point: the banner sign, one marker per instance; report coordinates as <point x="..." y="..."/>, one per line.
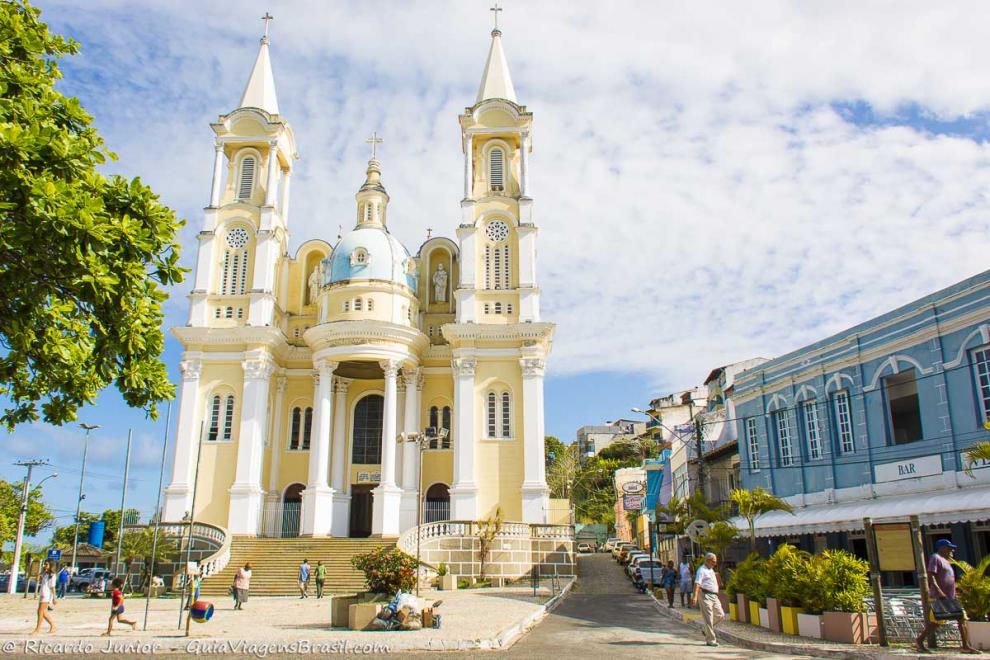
<point x="894" y="549"/>
<point x="632" y="502"/>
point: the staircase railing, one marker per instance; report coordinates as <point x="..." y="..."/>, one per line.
<point x="214" y="563"/>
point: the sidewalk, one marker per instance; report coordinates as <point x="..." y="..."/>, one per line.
<point x="472" y="619"/>
<point x="762" y="639"/>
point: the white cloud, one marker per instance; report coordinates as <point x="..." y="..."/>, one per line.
<point x="699" y="199"/>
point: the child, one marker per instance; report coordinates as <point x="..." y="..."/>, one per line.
<point x="117" y="608"/>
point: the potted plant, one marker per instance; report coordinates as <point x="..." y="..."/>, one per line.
<point x="810" y="620"/>
<point x="974" y="594"/>
<point x="787" y="572"/>
<point x="447" y="582"/>
<point x="745" y="583"/>
<point x="844" y="585"/>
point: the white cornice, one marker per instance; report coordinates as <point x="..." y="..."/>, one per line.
<point x="228" y="337"/>
<point x="363" y="332"/>
<point x="537" y="333"/>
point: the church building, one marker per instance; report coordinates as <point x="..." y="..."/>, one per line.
<point x="305" y="372"/>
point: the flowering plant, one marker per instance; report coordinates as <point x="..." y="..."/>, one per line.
<point x="387" y="570"/>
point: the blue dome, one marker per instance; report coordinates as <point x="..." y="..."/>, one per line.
<point x="369" y="253"/>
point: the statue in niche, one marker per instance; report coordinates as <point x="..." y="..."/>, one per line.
<point x="314" y="284"/>
<point x="440" y="284"/>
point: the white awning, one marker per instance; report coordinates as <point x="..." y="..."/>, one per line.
<point x="932" y="508"/>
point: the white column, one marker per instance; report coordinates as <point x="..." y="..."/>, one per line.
<point x="179" y="491"/>
<point x="317" y="499"/>
<point x="246" y="493"/>
<point x="277" y="438"/>
<point x="410" y="450"/>
<point x="198" y="309"/>
<point x="387" y="496"/>
<point x="534" y="488"/>
<point x="524" y="165"/>
<point x="284" y="205"/>
<point x="271" y="187"/>
<point x="464" y="492"/>
<point x="341" y="496"/>
<point x="217" y="175"/>
<point x="262" y="306"/>
<point x="468" y="166"/>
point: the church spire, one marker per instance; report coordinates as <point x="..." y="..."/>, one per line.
<point x="260" y="89"/>
<point x="496" y="83"/>
<point x="371" y="196"/>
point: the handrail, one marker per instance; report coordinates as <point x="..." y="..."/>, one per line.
<point x="219" y="559"/>
<point x="467" y="528"/>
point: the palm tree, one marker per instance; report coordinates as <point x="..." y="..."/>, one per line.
<point x="978" y="452"/>
<point x="754" y="503"/>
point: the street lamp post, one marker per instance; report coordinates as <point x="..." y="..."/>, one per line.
<point x="82" y="478"/>
<point x="422" y="441"/>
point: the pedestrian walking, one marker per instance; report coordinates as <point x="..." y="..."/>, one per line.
<point x="942" y="598"/>
<point x="667" y="580"/>
<point x="242" y="584"/>
<point x="117" y="608"/>
<point x="321" y="578"/>
<point x="46" y="602"/>
<point x="706" y="596"/>
<point x="63" y="582"/>
<point x="304" y="579"/>
<point x="685" y="582"/>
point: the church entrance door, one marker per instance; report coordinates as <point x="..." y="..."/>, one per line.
<point x="291" y="510"/>
<point x="361" y="511"/>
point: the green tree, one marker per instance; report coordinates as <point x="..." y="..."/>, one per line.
<point x="717" y="538"/>
<point x="84" y="258"/>
<point x="63" y="536"/>
<point x="754" y="503"/>
<point x="553" y="449"/>
<point x="563" y="471"/>
<point x="632" y="450"/>
<point x="112" y="519"/>
<point x="138" y="543"/>
<point x="488" y="529"/>
<point x="39" y="516"/>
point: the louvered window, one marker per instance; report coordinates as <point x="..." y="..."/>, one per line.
<point x="488" y="267"/>
<point x="497" y="269"/>
<point x="506" y="423"/>
<point x="225" y="273"/>
<point x="434" y="417"/>
<point x="492" y="421"/>
<point x="505" y="267"/>
<point x="214" y="429"/>
<point x="357" y="304"/>
<point x="246" y="182"/>
<point x="307" y="427"/>
<point x="294" y="432"/>
<point x="496" y="170"/>
<point x="228" y="418"/>
<point x="498" y="308"/>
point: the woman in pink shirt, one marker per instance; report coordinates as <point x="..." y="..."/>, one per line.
<point x="242" y="583"/>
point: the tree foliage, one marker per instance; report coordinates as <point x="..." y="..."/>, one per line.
<point x="39" y="516"/>
<point x="138" y="544"/>
<point x="978" y="453"/>
<point x="488" y="529"/>
<point x="84" y="257"/>
<point x="562" y="471"/>
<point x="754" y="503"/>
<point x="717" y="538"/>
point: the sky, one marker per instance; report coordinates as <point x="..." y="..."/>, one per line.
<point x="712" y="181"/>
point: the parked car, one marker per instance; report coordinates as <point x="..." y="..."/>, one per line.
<point x="5" y="580"/>
<point x="86" y="578"/>
<point x="647" y="573"/>
<point x="610" y="543"/>
<point x="633" y="559"/>
<point x="619" y="547"/>
<point x="584" y="547"/>
<point x="627" y="553"/>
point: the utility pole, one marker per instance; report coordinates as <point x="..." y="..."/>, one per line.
<point x="699" y="432"/>
<point x="123" y="497"/>
<point x="82" y="479"/>
<point x="15" y="564"/>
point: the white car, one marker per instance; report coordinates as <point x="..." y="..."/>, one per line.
<point x="634" y="561"/>
<point x="610" y="543"/>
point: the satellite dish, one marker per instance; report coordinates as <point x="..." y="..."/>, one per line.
<point x="695" y="529"/>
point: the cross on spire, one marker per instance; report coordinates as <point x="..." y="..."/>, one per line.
<point x="495" y="9"/>
<point x="267" y="18"/>
<point x="374" y="141"/>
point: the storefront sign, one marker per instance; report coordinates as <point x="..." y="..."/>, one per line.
<point x="912" y="468"/>
<point x="632" y="487"/>
<point x="894" y="549"/>
<point x="975" y="465"/>
<point x="632" y="502"/>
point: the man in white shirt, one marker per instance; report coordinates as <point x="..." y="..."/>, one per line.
<point x="684" y="570"/>
<point x="706" y="596"/>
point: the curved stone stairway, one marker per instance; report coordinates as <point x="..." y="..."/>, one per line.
<point x="275" y="564"/>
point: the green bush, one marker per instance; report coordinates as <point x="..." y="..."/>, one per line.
<point x="442" y="569"/>
<point x="387" y="570"/>
<point x="750" y="578"/>
<point x="838" y="582"/>
<point x="974" y="589"/>
<point x="787" y="575"/>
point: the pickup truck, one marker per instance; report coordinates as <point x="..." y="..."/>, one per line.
<point x="87" y="577"/>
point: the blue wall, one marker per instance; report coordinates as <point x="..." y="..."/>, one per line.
<point x="935" y="336"/>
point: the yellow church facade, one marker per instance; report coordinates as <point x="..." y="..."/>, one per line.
<point x="305" y="373"/>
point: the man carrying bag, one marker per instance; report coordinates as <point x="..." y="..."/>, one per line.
<point x="942" y="597"/>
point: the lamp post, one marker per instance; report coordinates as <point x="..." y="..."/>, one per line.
<point x="422" y="441"/>
<point x="21" y="520"/>
<point x="82" y="478"/>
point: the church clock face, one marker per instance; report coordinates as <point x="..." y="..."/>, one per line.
<point x="497" y="231"/>
<point x="237" y="238"/>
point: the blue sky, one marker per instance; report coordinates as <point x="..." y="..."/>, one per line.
<point x="713" y="182"/>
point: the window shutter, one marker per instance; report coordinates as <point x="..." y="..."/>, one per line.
<point x="246" y="184"/>
<point x="214" y="419"/>
<point x="228" y="418"/>
<point x="492" y="426"/>
<point x="294" y="433"/>
<point x="496" y="169"/>
<point x="307" y="428"/>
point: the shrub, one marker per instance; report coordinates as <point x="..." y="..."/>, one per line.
<point x="387" y="570"/>
<point x="442" y="569"/>
<point x="841" y="582"/>
<point x="787" y="575"/>
<point x="974" y="589"/>
<point x="750" y="578"/>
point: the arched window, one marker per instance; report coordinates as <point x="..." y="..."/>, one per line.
<point x="245" y="184"/>
<point x="221" y="424"/>
<point x="446" y="422"/>
<point x="498" y="308"/>
<point x="347" y="305"/>
<point x="492" y="421"/>
<point x="228" y="313"/>
<point x="506" y="416"/>
<point x="496" y="170"/>
<point x="228" y="417"/>
<point x="294" y="429"/>
<point x="367" y="439"/>
<point x="497" y="268"/>
<point x="371" y="305"/>
<point x="508" y="308"/>
<point x="434" y="417"/>
<point x="357" y="304"/>
<point x="233" y="278"/>
<point x="307" y="427"/>
<point x="487" y="308"/>
<point x="214" y="429"/>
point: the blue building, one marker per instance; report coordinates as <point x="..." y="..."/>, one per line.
<point x="874" y="421"/>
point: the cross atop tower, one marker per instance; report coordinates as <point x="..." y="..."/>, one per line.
<point x="495" y="9"/>
<point x="267" y="18"/>
<point x="374" y="141"/>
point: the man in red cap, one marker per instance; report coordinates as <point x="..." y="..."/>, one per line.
<point x="942" y="587"/>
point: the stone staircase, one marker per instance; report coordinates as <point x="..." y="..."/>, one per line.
<point x="275" y="564"/>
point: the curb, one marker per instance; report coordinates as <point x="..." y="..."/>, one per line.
<point x="814" y="650"/>
<point x="511" y="635"/>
